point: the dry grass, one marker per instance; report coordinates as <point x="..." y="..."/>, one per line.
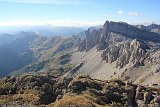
<point x="75" y="101"/>
<point x="5" y="99"/>
<point x="27" y="96"/>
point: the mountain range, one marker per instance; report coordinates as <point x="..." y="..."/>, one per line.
<point x="117" y="50"/>
<point x="43" y="30"/>
<point x="125" y="49"/>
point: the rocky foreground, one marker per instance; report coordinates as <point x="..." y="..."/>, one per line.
<point x="47" y="90"/>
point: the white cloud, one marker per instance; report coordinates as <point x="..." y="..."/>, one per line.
<point x="120" y="12"/>
<point x="64" y="2"/>
<point x="52" y="22"/>
<point x="134" y="14"/>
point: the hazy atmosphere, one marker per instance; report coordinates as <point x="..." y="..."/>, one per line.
<point x="78" y="12"/>
<point x="79" y="53"/>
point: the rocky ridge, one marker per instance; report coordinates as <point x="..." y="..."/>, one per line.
<point x="105" y="35"/>
<point x="29" y="52"/>
<point x="132" y="53"/>
<point x="126" y="46"/>
<point x="152" y="28"/>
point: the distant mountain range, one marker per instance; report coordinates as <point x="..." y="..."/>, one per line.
<point x="25" y="48"/>
<point x="152" y="28"/>
<point x="43" y="30"/>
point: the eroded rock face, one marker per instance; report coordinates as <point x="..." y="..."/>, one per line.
<point x="122" y="43"/>
<point x="133" y="32"/>
<point x="138" y="50"/>
<point x="111" y="54"/>
<point x="134" y="53"/>
<point x="82" y="45"/>
<point x="92" y="38"/>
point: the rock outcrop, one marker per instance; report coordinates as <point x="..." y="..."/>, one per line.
<point x="152" y="28"/>
<point x="133" y="32"/>
<point x="45" y="89"/>
<point x="101" y="36"/>
<point x="91" y="39"/>
<point x="122" y="43"/>
<point x="134" y="52"/>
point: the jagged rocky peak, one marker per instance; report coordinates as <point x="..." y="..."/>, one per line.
<point x="138" y="52"/>
<point x="92" y="38"/>
<point x="106" y="25"/>
<point x="133" y="32"/>
<point x="152" y="28"/>
<point x="135" y="44"/>
<point x="142" y="27"/>
<point x="102" y="37"/>
<point x="121" y="43"/>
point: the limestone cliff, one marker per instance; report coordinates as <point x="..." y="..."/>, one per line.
<point x="126" y="47"/>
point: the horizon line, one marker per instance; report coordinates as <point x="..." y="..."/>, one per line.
<point x="64" y="23"/>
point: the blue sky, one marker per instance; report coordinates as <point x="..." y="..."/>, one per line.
<point x="78" y="12"/>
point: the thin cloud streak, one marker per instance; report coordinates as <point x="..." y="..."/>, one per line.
<point x="134" y="14"/>
<point x="60" y="2"/>
<point x="55" y="23"/>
